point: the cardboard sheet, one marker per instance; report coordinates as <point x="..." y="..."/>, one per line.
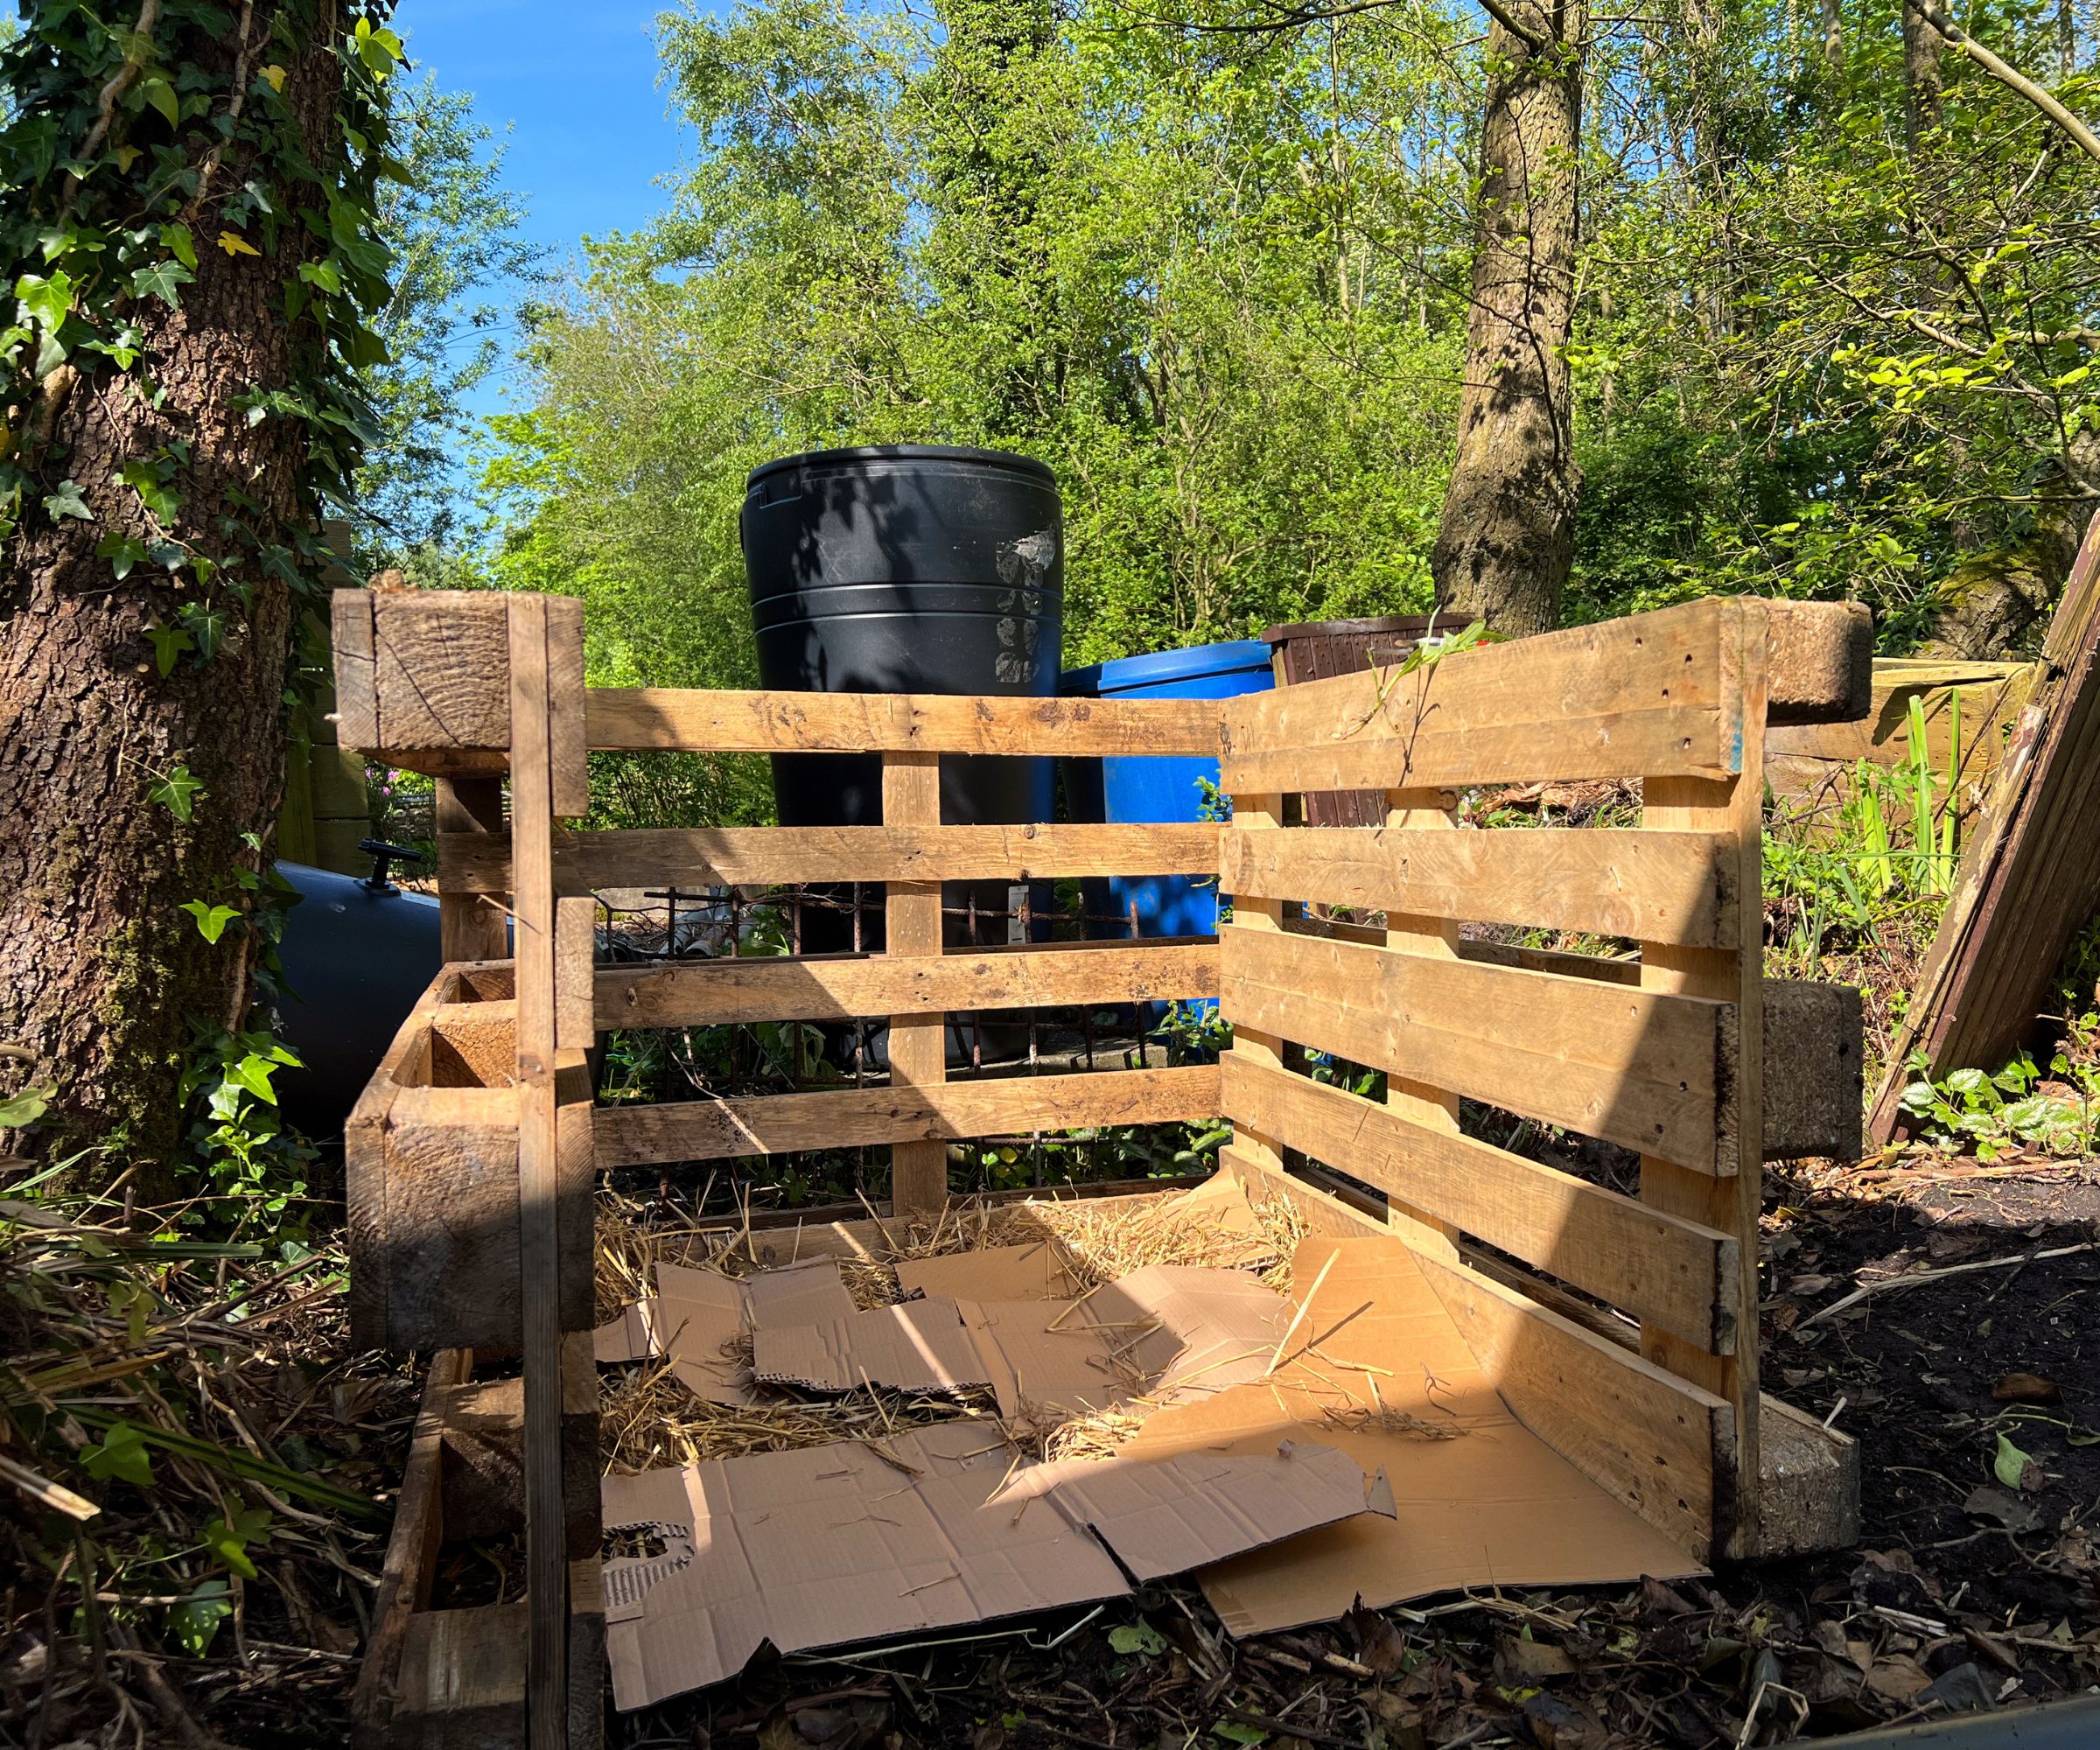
<point x="1492" y="1505"/>
<point x="921" y="1346"/>
<point x="698" y="1318"/>
<point x="1164" y="1332"/>
<point x="833" y="1545"/>
<point x="1039" y="1271"/>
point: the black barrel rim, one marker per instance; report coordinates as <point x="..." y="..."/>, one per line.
<point x="1010" y="459"/>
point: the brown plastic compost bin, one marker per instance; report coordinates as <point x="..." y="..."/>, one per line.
<point x="1313" y="650"/>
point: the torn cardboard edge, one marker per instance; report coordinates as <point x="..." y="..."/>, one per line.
<point x="830" y="1545"/>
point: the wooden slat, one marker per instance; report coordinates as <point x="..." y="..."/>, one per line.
<point x="411" y="1560"/>
<point x="777" y="1124"/>
<point x="1610" y="882"/>
<point x="722" y="857"/>
<point x="575" y="949"/>
<point x="1630" y="1066"/>
<point x="539" y="1172"/>
<point x="724" y="722"/>
<point x="1652" y="1440"/>
<point x="569" y="750"/>
<point x="470" y="926"/>
<point x="1733" y="809"/>
<point x="1652" y="1265"/>
<point x="918" y="1040"/>
<point x="1622" y="699"/>
<point x="356" y="685"/>
<point x="1426" y="818"/>
<point x="2030" y="875"/>
<point x="1591" y="747"/>
<point x="711" y="992"/>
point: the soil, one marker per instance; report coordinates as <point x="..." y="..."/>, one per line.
<point x="1975" y="1398"/>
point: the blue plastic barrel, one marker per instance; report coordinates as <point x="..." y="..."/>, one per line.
<point x="1163" y="789"/>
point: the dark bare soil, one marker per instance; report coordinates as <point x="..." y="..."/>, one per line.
<point x="1975" y="1396"/>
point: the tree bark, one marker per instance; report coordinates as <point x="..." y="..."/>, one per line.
<point x="104" y="979"/>
<point x="1507" y="537"/>
<point x="1994" y="601"/>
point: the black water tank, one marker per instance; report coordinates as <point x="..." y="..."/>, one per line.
<point x="907" y="569"/>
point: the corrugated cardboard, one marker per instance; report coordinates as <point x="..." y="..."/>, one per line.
<point x="1492" y="1506"/>
<point x="1211" y="1328"/>
<point x="699" y="1318"/>
<point x="920" y="1345"/>
<point x="834" y="1544"/>
<point x="1162" y="1333"/>
<point x="1040" y="1271"/>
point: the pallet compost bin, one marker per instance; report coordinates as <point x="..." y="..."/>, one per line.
<point x="1620" y="1330"/>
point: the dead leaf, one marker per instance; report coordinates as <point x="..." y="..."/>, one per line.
<point x="1898" y="1680"/>
<point x="1658" y="1599"/>
<point x="1379" y="1645"/>
<point x="1521" y="1665"/>
<point x="1559" y="1725"/>
<point x="2009" y="1510"/>
<point x="1963" y="1689"/>
<point x="2027" y="1388"/>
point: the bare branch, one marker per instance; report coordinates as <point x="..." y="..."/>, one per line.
<point x="2010" y="76"/>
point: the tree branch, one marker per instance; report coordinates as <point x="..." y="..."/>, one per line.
<point x="2009" y="76"/>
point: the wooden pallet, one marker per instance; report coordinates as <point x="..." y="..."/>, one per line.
<point x="473" y="1155"/>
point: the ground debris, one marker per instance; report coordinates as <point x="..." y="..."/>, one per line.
<point x="1948" y="1605"/>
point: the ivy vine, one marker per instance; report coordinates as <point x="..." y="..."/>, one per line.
<point x="132" y="147"/>
<point x="115" y="179"/>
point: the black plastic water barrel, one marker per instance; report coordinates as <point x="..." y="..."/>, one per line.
<point x="907" y="569"/>
<point x="356" y="957"/>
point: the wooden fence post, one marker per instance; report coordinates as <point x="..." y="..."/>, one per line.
<point x="911" y="797"/>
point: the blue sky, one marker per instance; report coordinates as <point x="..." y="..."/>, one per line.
<point x="576" y="85"/>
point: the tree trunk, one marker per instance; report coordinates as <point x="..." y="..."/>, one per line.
<point x="104" y="980"/>
<point x="1924" y="81"/>
<point x="1508" y="535"/>
<point x="1993" y="601"/>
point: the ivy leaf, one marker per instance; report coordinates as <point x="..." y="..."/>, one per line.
<point x="154" y="491"/>
<point x="176" y="240"/>
<point x="121" y="1455"/>
<point x="379" y="50"/>
<point x="207" y="625"/>
<point x="328" y="275"/>
<point x="122" y="551"/>
<point x="228" y="1538"/>
<point x="67" y="501"/>
<point x="46" y="299"/>
<point x="211" y="925"/>
<point x="178" y="792"/>
<point x="253" y="1073"/>
<point x="194" y="1622"/>
<point x="126" y="156"/>
<point x="169" y="642"/>
<point x="1137" y="1637"/>
<point x="160" y="280"/>
<point x="235" y="244"/>
<point x="25" y="1108"/>
<point x="274" y="75"/>
<point x="161" y="95"/>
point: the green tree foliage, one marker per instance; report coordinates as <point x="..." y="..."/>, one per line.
<point x="1832" y="331"/>
<point x="1205" y="278"/>
<point x="1835" y="346"/>
<point x="459" y="268"/>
